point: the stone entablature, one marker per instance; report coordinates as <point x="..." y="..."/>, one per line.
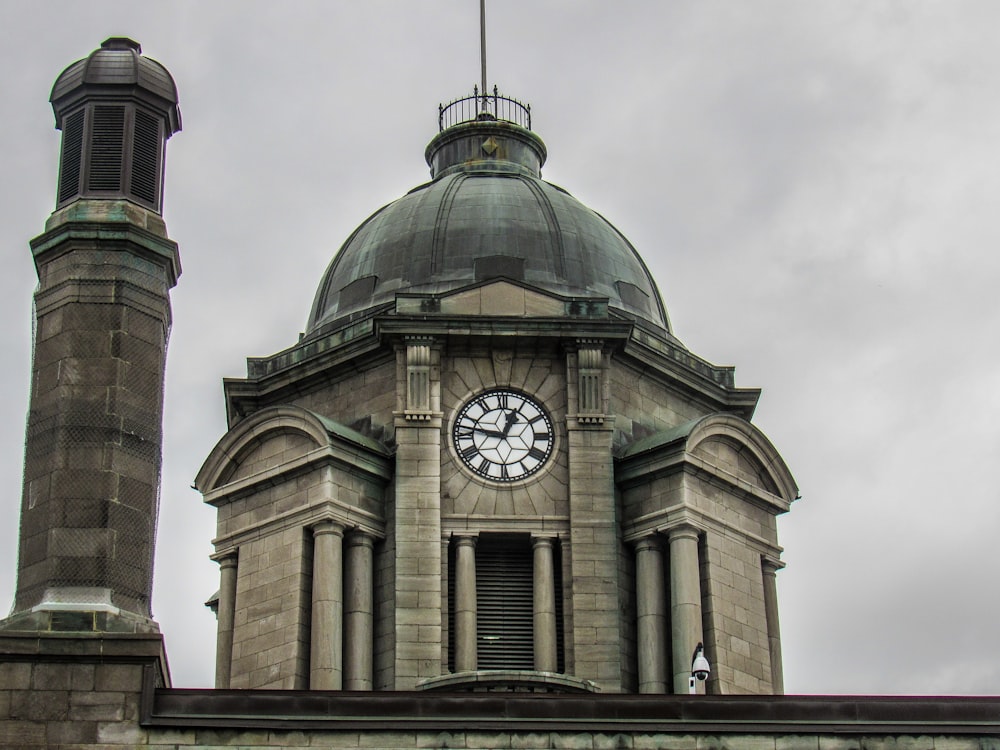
<point x="501" y="309"/>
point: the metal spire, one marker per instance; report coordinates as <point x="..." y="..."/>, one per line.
<point x="482" y="47"/>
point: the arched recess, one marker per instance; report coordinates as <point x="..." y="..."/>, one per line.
<point x="731" y="429"/>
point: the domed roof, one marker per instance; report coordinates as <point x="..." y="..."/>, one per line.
<point x="485" y="214"/>
<point x="118" y="63"/>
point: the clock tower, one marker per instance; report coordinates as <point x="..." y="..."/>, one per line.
<point x="489" y="464"/>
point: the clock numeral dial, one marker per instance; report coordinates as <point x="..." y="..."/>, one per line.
<point x="503" y="435"/>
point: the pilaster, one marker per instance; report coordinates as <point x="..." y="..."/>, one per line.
<point x="417" y="583"/>
<point x="594" y="532"/>
<point x="769" y="567"/>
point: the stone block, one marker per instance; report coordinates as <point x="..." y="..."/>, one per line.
<point x="171" y="738"/>
<point x="118" y="678"/>
<point x="15" y="675"/>
<point x="70" y="732"/>
<point x="22" y="734"/>
<point x="93" y="706"/>
<point x="831" y="742"/>
<point x="447" y="740"/>
<point x="577" y="741"/>
<point x="617" y="742"/>
<point x="387" y="739"/>
<point x="43" y="705"/>
<point x="746" y="742"/>
<point x="957" y="743"/>
<point x="490" y="740"/>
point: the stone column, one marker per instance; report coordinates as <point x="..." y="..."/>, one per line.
<point x="651" y="606"/>
<point x="769" y="567"/>
<point x="326" y="646"/>
<point x="685" y="601"/>
<point x="227" y="612"/>
<point x="544" y="590"/>
<point x="465" y="603"/>
<point x="359" y="611"/>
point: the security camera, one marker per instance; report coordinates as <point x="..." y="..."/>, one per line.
<point x="699" y="665"/>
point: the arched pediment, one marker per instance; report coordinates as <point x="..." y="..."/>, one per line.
<point x="722" y="442"/>
<point x="273" y="437"/>
<point x="736" y="446"/>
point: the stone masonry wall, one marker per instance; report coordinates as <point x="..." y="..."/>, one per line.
<point x="734" y="600"/>
<point x="271" y="626"/>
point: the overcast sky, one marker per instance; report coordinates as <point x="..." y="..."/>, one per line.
<point x="814" y="186"/>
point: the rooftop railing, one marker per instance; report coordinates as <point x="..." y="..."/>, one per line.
<point x="485" y="106"/>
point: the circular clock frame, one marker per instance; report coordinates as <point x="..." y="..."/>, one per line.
<point x="503" y="435"/>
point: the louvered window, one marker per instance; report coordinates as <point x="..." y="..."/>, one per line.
<point x="108" y="134"/>
<point x="145" y="156"/>
<point x="70" y="159"/>
<point x="504" y="602"/>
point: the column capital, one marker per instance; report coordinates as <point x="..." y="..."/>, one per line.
<point x="770" y="565"/>
<point x="649" y="542"/>
<point x="359" y="538"/>
<point x="327" y="527"/>
<point x="226" y="558"/>
<point x="466" y="540"/>
<point x="683" y="530"/>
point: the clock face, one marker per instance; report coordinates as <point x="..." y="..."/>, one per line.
<point x="503" y="435"/>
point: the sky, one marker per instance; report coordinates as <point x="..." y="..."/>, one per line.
<point x="813" y="185"/>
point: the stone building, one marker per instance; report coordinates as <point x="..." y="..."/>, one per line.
<point x="487" y="499"/>
<point x="489" y="458"/>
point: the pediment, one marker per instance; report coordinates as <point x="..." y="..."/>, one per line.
<point x="503" y="298"/>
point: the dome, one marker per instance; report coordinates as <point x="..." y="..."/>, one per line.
<point x="118" y="63"/>
<point x="485" y="214"/>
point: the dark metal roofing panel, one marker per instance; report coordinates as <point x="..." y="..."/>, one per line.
<point x="428" y="241"/>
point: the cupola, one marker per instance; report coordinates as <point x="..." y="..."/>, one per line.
<point x="116" y="109"/>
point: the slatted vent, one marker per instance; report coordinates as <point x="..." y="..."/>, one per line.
<point x="70" y="160"/>
<point x="504" y="602"/>
<point x="145" y="157"/>
<point x="106" y="153"/>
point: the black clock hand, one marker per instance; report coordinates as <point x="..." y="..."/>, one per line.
<point x="490" y="433"/>
<point x="511" y="419"/>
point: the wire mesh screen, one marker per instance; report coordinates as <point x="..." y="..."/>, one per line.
<point x="93" y="442"/>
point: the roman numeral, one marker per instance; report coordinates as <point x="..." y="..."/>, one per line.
<point x="536" y="453"/>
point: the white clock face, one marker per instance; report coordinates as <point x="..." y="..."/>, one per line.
<point x="503" y="435"/>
